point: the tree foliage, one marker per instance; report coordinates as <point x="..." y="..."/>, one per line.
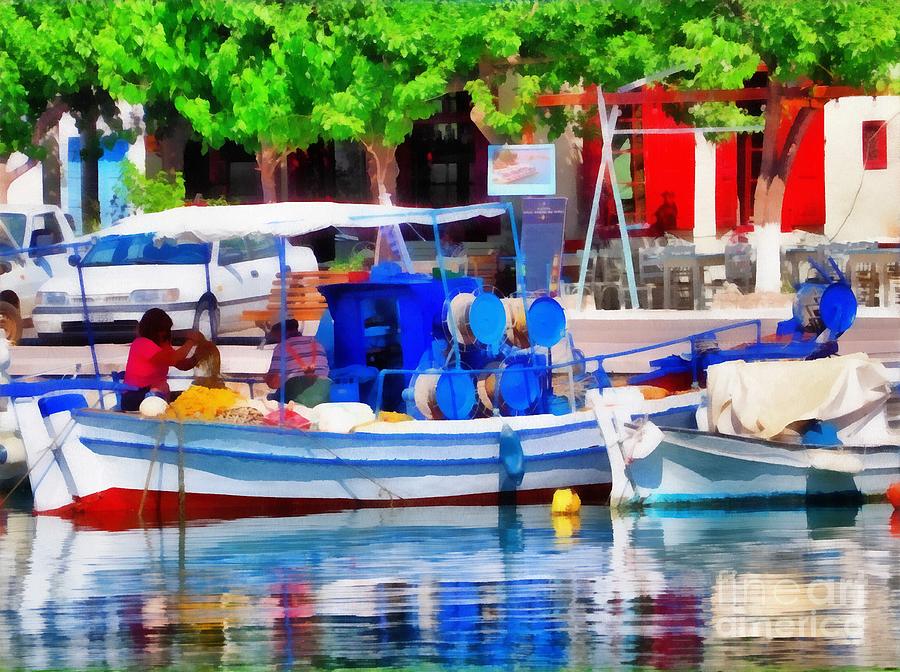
<point x="275" y="76"/>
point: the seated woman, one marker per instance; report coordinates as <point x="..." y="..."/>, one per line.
<point x="150" y="357"/>
<point x="305" y="365"/>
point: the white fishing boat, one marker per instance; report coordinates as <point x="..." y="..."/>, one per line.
<point x="812" y="430"/>
<point x="465" y="447"/>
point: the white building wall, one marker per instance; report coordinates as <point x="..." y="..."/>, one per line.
<point x="861" y="204"/>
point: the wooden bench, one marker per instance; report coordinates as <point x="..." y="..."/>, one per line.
<point x="304" y="301"/>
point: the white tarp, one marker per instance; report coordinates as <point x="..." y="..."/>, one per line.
<point x="211" y="223"/>
<point x="763" y="398"/>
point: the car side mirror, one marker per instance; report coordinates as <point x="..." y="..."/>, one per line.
<point x="74" y="260"/>
<point x="40" y="238"/>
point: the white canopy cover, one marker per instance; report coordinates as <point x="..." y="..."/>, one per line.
<point x="211" y="223"/>
<point x="763" y="399"/>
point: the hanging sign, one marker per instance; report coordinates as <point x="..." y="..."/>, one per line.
<point x="521" y="170"/>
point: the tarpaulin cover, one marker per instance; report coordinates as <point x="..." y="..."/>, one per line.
<point x="208" y="224"/>
<point x="762" y="398"/>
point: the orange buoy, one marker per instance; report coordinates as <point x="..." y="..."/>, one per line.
<point x="893" y="494"/>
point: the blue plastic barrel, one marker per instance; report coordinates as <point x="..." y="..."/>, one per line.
<point x="546" y="321"/>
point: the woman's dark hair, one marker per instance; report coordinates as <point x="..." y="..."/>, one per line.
<point x="154" y="324"/>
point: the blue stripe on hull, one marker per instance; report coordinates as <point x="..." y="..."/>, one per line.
<point x="230" y="434"/>
<point x="255" y="466"/>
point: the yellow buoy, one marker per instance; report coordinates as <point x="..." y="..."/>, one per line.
<point x="565" y="502"/>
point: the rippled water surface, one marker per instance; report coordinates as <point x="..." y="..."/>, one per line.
<point x="454" y="587"/>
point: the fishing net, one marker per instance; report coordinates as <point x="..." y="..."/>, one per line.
<point x="208" y="368"/>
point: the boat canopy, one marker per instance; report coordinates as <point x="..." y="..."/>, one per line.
<point x="211" y="223"/>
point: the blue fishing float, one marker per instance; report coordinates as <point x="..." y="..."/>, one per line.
<point x="837" y="307"/>
<point x="455" y="395"/>
<point x="487" y="319"/>
<point x="546" y="321"/>
<point x="520" y="386"/>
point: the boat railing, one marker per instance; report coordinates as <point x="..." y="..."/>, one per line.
<point x="22" y="389"/>
<point x="599" y="373"/>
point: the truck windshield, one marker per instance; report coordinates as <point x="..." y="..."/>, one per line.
<point x="12" y="233"/>
<point x="142" y="249"/>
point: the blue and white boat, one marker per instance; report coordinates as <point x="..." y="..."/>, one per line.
<point x="821" y="442"/>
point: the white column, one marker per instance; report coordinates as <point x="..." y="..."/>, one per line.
<point x="704" y="194"/>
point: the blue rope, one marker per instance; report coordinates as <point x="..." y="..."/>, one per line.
<point x="89" y="327"/>
<point x="282" y="365"/>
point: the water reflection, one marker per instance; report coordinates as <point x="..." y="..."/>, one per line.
<point x="453" y="587"/>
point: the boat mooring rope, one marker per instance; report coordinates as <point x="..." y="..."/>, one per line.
<point x="153" y="457"/>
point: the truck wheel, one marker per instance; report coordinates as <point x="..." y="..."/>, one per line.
<point x="10" y="321"/>
<point x="206" y="317"/>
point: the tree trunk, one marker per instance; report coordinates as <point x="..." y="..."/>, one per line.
<point x="172" y="142"/>
<point x="52" y="181"/>
<point x="7" y="176"/>
<point x="47" y="121"/>
<point x="768" y="200"/>
<point x="5" y="182"/>
<point x="383" y="170"/>
<point x="267" y="160"/>
<point x="90" y="169"/>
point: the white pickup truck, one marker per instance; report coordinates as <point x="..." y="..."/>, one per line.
<point x="31" y="252"/>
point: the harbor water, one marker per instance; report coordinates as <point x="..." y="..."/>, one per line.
<point x="447" y="588"/>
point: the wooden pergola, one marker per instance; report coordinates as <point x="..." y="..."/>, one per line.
<point x="635" y="93"/>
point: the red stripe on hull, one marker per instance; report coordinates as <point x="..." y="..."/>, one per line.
<point x="117" y="508"/>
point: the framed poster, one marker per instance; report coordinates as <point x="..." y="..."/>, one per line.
<point x="521" y="170"/>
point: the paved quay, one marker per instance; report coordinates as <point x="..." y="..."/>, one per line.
<point x="876" y="332"/>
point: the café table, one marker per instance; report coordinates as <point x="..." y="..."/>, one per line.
<point x="697" y="263"/>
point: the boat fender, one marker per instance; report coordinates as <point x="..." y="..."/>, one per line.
<point x="893" y="495"/>
<point x="638" y="443"/>
<point x="511" y="456"/>
<point x="825" y="459"/>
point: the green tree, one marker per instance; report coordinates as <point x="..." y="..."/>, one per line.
<point x="27" y="96"/>
<point x="249" y="71"/>
<point x="66" y="33"/>
<point x="719" y="44"/>
<point x="54" y="49"/>
<point x="550" y="46"/>
<point x="829" y="42"/>
<point x="394" y="59"/>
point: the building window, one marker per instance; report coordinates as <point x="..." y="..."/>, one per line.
<point x="874" y="145"/>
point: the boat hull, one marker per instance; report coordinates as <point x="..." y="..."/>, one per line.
<point x="113" y="462"/>
<point x="690" y="466"/>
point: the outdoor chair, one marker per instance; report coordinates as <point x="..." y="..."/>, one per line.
<point x="740" y="267"/>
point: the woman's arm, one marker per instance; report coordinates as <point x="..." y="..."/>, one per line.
<point x="174" y="356"/>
